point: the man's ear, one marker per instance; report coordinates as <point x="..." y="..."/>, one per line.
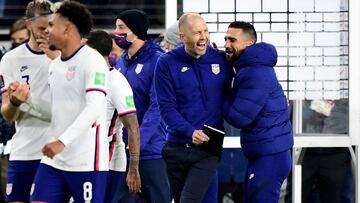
<point x="68" y="28"/>
<point x="182" y="36"/>
<point x="28" y="24"/>
<point x="249" y="43"/>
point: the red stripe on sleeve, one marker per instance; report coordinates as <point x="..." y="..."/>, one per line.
<point x="126" y="112"/>
<point x="96" y="89"/>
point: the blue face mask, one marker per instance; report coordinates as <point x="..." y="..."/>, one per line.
<point x="120" y="40"/>
<point x="112" y="59"/>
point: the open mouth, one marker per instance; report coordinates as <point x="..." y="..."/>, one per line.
<point x="201" y="45"/>
<point x="229" y="51"/>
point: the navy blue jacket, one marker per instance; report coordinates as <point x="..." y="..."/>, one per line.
<point x="190" y="91"/>
<point x="257" y="103"/>
<point x="139" y="71"/>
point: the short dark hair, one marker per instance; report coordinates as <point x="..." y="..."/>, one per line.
<point x="246" y="27"/>
<point x="78" y="14"/>
<point x="101" y="41"/>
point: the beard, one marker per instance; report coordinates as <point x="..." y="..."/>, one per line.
<point x="232" y="55"/>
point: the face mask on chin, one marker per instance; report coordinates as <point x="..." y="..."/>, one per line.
<point x="121" y="41"/>
<point x="14" y="45"/>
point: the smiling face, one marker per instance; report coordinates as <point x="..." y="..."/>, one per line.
<point x="195" y="35"/>
<point x="56" y="31"/>
<point x="235" y="43"/>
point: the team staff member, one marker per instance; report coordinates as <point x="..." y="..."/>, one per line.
<point x="138" y="64"/>
<point x="190" y="82"/>
<point x="258" y="106"/>
<point x="171" y="41"/>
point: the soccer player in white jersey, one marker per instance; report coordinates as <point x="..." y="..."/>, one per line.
<point x="23" y="67"/>
<point x="76" y="159"/>
<point x="120" y="112"/>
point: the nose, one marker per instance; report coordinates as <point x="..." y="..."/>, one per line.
<point x="202" y="35"/>
<point x="46" y="31"/>
<point x="227" y="44"/>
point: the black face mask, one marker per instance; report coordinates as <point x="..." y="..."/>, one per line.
<point x="14" y="45"/>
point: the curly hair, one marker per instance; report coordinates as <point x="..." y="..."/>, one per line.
<point x="78" y="14"/>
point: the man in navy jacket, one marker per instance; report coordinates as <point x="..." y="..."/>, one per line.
<point x="258" y="106"/>
<point x="138" y="64"/>
<point x="190" y="81"/>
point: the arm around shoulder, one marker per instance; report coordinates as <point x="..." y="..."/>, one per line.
<point x="246" y="100"/>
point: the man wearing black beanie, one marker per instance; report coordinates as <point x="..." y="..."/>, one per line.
<point x="137" y="22"/>
<point x="138" y="64"/>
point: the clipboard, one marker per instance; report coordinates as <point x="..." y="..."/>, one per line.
<point x="215" y="144"/>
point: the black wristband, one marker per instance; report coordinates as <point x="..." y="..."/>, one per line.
<point x="14" y="103"/>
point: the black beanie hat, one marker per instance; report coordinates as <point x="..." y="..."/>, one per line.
<point x="137" y="21"/>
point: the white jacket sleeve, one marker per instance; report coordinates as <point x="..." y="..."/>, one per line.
<point x="37" y="107"/>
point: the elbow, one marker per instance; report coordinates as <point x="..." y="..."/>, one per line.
<point x="8" y="119"/>
<point x="7" y="116"/>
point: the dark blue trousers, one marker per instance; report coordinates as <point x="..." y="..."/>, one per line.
<point x="114" y="192"/>
<point x="190" y="171"/>
<point x="155" y="186"/>
<point x="264" y="177"/>
<point x="154" y="182"/>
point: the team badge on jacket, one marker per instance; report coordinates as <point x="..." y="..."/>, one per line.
<point x="215" y="68"/>
<point x="9" y="188"/>
<point x="70" y="73"/>
<point x="138" y="68"/>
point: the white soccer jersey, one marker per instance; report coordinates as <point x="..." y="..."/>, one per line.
<point x="25" y="65"/>
<point x="72" y="122"/>
<point x="119" y="103"/>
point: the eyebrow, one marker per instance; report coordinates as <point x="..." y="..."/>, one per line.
<point x="229" y="37"/>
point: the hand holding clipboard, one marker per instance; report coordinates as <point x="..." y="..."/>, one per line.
<point x="214" y="145"/>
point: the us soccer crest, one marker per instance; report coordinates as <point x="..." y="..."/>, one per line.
<point x="215" y="68"/>
<point x="9" y="188"/>
<point x="139" y="68"/>
<point x="70" y="73"/>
